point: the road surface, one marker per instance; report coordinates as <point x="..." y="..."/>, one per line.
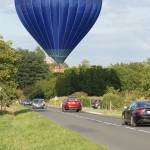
<point x="103" y="130"/>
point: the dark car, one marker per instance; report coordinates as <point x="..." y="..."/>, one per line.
<point x="137" y="113"/>
<point x="95" y="104"/>
<point x="27" y="102"/>
<point x="38" y="103"/>
<point x="72" y="103"/>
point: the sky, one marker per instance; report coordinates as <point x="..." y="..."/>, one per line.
<point x="121" y="33"/>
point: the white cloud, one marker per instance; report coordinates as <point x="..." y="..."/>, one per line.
<point x="7" y="7"/>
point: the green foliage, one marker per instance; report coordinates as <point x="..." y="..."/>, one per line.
<point x="85" y="63"/>
<point x="80" y="94"/>
<point x="129" y="75"/>
<point x="112" y="98"/>
<point x="31" y="68"/>
<point x="20" y="94"/>
<point x="42" y="89"/>
<point x="8" y="70"/>
<point x="145" y="80"/>
<point x="129" y="97"/>
<point x="64" y="85"/>
<point x="85" y="102"/>
<point x="91" y="80"/>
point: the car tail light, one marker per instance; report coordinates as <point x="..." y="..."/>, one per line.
<point x="140" y="111"/>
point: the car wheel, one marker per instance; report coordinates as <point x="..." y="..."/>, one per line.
<point x="123" y="120"/>
<point x="133" y="124"/>
<point x="77" y="110"/>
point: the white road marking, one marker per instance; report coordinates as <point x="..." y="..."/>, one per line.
<point x="130" y="128"/>
<point x="108" y="123"/>
<point x="99" y="121"/>
<point x="144" y="131"/>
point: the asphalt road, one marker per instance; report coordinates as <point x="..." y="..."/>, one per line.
<point x="103" y="130"/>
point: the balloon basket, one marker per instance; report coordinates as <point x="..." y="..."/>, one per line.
<point x="58" y="68"/>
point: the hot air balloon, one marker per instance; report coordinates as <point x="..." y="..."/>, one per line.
<point x="58" y="25"/>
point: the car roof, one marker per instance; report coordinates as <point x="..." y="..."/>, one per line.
<point x="145" y="100"/>
<point x="72" y="97"/>
<point x="37" y="99"/>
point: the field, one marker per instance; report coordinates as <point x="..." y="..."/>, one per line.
<point x="24" y="129"/>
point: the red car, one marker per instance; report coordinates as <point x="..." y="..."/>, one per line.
<point x="71" y="103"/>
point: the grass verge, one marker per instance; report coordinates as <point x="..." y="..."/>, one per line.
<point x="114" y="113"/>
<point x="26" y="130"/>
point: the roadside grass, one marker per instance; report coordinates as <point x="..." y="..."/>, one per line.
<point x="114" y="113"/>
<point x="27" y="130"/>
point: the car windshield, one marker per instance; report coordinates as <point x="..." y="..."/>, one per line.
<point x="72" y="99"/>
<point x="145" y="104"/>
<point x="37" y="101"/>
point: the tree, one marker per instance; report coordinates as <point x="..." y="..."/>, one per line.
<point x="93" y="80"/>
<point x="111" y="78"/>
<point x="64" y="83"/>
<point x="129" y="75"/>
<point x="31" y="68"/>
<point x="40" y="53"/>
<point x="145" y="79"/>
<point x="43" y="89"/>
<point x="85" y="63"/>
<point x="8" y="70"/>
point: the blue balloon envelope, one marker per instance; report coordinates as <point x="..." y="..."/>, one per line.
<point x="58" y="25"/>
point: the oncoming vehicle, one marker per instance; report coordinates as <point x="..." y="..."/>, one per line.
<point x="72" y="103"/>
<point x="38" y="103"/>
<point x="27" y="102"/>
<point x="137" y="113"/>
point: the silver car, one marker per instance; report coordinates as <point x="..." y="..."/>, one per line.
<point x="38" y="103"/>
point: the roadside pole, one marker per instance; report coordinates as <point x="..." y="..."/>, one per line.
<point x="56" y="98"/>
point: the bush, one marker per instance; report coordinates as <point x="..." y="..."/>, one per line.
<point x="80" y="94"/>
<point x="85" y="102"/>
<point x="114" y="99"/>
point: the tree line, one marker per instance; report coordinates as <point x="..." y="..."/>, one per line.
<point x="24" y="72"/>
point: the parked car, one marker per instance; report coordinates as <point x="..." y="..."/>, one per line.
<point x="26" y="102"/>
<point x="72" y="103"/>
<point x="95" y="104"/>
<point x="38" y="103"/>
<point x="137" y="113"/>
